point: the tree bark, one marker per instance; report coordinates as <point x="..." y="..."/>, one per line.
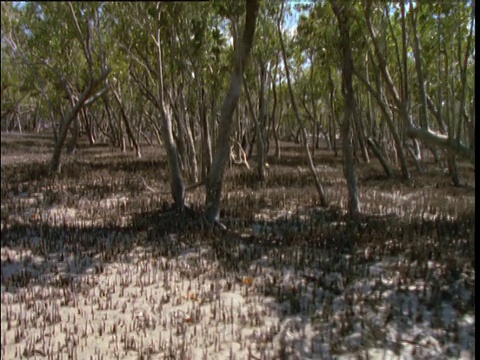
<point x="222" y="152"/>
<point x="347" y="90"/>
<point x="205" y="135"/>
<point x="177" y="185"/>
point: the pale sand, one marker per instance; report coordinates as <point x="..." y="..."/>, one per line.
<point x="186" y="306"/>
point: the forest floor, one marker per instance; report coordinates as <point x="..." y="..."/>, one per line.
<point x="95" y="265"/>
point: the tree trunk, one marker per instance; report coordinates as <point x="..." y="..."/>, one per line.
<point x="205" y="135"/>
<point x="332" y="116"/>
<point x="262" y="115"/>
<point x="127" y="123"/>
<point x="176" y="181"/>
<point x="417" y="54"/>
<point x="222" y="152"/>
<point x="85" y="99"/>
<point x="453" y="169"/>
<point x="416" y="159"/>
<point x="274" y="121"/>
<point x="155" y="128"/>
<point x="318" y="185"/>
<point x="398" y="146"/>
<point x="347" y="90"/>
<point x="186" y="145"/>
<point x="361" y="136"/>
<point x="380" y="157"/>
<point x="401" y="103"/>
<point x="89" y="128"/>
<point x="75" y="131"/>
<point x="443" y="142"/>
<point x="259" y="124"/>
<point x="111" y="131"/>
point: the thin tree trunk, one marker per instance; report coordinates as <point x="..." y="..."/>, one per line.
<point x="176" y="181"/>
<point x="258" y="127"/>
<point x="332" y="117"/>
<point x="390" y="123"/>
<point x="127" y="123"/>
<point x="361" y="136"/>
<point x="85" y="99"/>
<point x="415" y="156"/>
<point x="383" y="161"/>
<point x="89" y="128"/>
<point x="113" y="133"/>
<point x="155" y="128"/>
<point x="417" y="52"/>
<point x="318" y="185"/>
<point x="75" y="131"/>
<point x="262" y="115"/>
<point x="206" y="140"/>
<point x="186" y="146"/>
<point x="401" y="103"/>
<point x="193" y="154"/>
<point x="221" y="157"/>
<point x="274" y="121"/>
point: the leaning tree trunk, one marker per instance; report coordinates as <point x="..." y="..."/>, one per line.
<point x="359" y="130"/>
<point x="378" y="153"/>
<point x="85" y="99"/>
<point x="398" y="145"/>
<point x="222" y="152"/>
<point x="318" y="184"/>
<point x="401" y="103"/>
<point x="89" y="126"/>
<point x="124" y="116"/>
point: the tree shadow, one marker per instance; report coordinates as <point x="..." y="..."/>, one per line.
<point x="315" y="264"/>
<point x="308" y="262"/>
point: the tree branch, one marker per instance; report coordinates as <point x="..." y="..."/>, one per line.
<point x="444" y="142"/>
